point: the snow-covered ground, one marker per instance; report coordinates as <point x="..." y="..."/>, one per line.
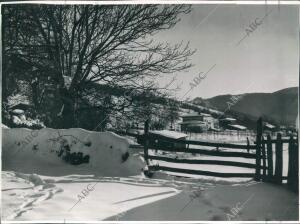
<point x="247" y="202"/>
<point x="75" y="197"/>
<point x="39" y="182"/>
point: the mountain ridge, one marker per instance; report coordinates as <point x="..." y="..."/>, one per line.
<point x="280" y="106"/>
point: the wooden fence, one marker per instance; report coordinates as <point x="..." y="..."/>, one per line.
<point x="261" y="152"/>
<point x="193" y="150"/>
<point x="266" y="147"/>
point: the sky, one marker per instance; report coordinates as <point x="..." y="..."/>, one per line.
<point x="266" y="60"/>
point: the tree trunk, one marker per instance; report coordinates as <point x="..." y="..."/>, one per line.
<point x="68" y="112"/>
<point x="35" y="93"/>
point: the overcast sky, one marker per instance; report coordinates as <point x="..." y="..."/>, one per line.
<point x="265" y="61"/>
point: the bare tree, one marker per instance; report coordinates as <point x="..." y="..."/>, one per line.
<point x="105" y="44"/>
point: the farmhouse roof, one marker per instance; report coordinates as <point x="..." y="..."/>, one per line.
<point x="205" y="115"/>
<point x="229" y="119"/>
<point x="241" y="127"/>
<point x="193" y="122"/>
<point x="191" y="115"/>
<point x="196" y="115"/>
<point x="269" y="125"/>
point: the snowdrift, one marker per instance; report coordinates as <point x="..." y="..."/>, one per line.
<point x="57" y="152"/>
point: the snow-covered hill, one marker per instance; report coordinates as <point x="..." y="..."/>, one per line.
<point x="52" y="151"/>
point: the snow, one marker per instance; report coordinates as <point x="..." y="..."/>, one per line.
<point x="169" y="134"/>
<point x="16" y="120"/>
<point x="248" y="202"/>
<point x="18" y="111"/>
<point x="4" y="126"/>
<point x="205" y="115"/>
<point x="22" y="120"/>
<point x="38" y="149"/>
<point x="67" y="81"/>
<point x="18" y="98"/>
<point x="37" y="184"/>
<point x="56" y="199"/>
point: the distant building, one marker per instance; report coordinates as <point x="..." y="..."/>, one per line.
<point x="282" y="128"/>
<point x="198" y="122"/>
<point x="163" y="138"/>
<point x="227" y="121"/>
<point x="269" y="127"/>
<point x="231" y="124"/>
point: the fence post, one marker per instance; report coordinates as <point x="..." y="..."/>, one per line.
<point x="258" y="149"/>
<point x="270" y="158"/>
<point x="248" y="145"/>
<point x="296" y="185"/>
<point x="292" y="179"/>
<point x="278" y="159"/>
<point x="146" y="139"/>
<point x="264" y="159"/>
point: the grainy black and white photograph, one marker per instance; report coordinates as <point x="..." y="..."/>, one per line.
<point x="142" y="111"/>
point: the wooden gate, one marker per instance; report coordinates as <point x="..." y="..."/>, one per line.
<point x="269" y="149"/>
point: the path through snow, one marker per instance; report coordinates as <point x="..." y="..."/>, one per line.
<point x="54" y="198"/>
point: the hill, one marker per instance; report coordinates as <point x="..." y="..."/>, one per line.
<point x="280" y="106"/>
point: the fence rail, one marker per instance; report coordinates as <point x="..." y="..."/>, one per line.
<point x="202" y="143"/>
<point x="211" y="162"/>
<point x="207" y="152"/>
<point x="200" y="172"/>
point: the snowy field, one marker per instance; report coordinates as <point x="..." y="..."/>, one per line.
<point x="225" y="136"/>
<point x="39" y="182"/>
